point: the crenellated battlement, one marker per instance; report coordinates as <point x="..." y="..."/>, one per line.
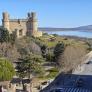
<point x="15" y="20"/>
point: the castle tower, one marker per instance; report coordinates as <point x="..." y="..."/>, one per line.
<point x="5" y="20"/>
<point x="34" y="24"/>
<point x="29" y="15"/>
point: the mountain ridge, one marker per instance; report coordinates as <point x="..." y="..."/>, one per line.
<point x="86" y="28"/>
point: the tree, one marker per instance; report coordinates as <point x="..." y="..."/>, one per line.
<point x="30" y="65"/>
<point x="7" y="70"/>
<point x="12" y="38"/>
<point x="25" y="46"/>
<point x="9" y="51"/>
<point x="44" y="50"/>
<point x="89" y="43"/>
<point x="49" y="57"/>
<point x="5" y="37"/>
<point x="58" y="50"/>
<point x="72" y="57"/>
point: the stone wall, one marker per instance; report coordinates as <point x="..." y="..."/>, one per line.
<point x="16" y="26"/>
<point x="22" y="27"/>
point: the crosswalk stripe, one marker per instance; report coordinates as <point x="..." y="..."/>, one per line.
<point x="74" y="90"/>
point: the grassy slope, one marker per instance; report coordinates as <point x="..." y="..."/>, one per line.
<point x="46" y="40"/>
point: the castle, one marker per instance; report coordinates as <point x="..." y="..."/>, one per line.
<point x="21" y="27"/>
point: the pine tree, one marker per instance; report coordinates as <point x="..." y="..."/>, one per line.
<point x="58" y="50"/>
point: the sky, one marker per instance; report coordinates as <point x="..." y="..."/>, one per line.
<point x="51" y="13"/>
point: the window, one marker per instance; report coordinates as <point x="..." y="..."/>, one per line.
<point x="18" y="21"/>
<point x="20" y="32"/>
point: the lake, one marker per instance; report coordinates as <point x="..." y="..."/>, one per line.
<point x="86" y="34"/>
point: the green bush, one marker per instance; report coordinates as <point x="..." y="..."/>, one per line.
<point x="55" y="35"/>
<point x="52" y="75"/>
<point x="6" y="70"/>
<point x="53" y="70"/>
<point x="58" y="50"/>
<point x="5" y="37"/>
<point x="45" y="34"/>
<point x="49" y="57"/>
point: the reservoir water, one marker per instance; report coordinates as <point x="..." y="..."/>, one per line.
<point x="86" y="34"/>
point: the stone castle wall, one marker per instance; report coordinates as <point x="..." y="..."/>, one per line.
<point x="18" y="26"/>
<point x="22" y="27"/>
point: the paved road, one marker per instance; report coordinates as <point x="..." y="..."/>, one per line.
<point x="71" y="81"/>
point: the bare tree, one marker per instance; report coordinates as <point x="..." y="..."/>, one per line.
<point x="9" y="51"/>
<point x="71" y="58"/>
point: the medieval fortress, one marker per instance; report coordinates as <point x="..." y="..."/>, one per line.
<point x="22" y="27"/>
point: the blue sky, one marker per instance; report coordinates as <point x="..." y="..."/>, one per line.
<point x="51" y="13"/>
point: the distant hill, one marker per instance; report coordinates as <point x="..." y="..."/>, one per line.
<point x="55" y="29"/>
<point x="89" y="27"/>
<point x="85" y="28"/>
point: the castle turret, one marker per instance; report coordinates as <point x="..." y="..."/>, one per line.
<point x="5" y="20"/>
<point x="34" y="23"/>
<point x="29" y="15"/>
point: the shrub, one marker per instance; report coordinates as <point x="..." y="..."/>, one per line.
<point x="58" y="50"/>
<point x="6" y="70"/>
<point x="5" y="37"/>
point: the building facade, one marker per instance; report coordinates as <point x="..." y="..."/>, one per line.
<point x="22" y="27"/>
